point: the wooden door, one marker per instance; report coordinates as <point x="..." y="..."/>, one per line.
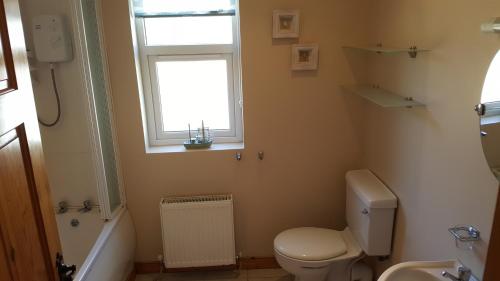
<point x="29" y="240"/>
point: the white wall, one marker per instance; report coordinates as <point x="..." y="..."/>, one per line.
<point x="67" y="146"/>
<point x="302" y="121"/>
<point x="431" y="157"/>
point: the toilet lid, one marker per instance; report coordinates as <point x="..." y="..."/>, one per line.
<point x="310" y="243"/>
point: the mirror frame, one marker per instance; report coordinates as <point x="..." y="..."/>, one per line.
<point x="492" y="267"/>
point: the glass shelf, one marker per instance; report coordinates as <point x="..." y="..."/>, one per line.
<point x="412" y="51"/>
<point x="381" y="97"/>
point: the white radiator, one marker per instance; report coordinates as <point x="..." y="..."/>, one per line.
<point x="198" y="231"/>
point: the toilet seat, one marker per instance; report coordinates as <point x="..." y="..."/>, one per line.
<point x="310" y="243"/>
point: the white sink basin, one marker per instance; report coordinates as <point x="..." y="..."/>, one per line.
<point x="419" y="271"/>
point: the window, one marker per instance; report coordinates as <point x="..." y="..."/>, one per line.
<point x="190" y="61"/>
<point x="491" y="88"/>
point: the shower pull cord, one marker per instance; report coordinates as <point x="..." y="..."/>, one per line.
<point x="56" y="93"/>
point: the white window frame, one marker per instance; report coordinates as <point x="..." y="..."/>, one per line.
<point x="149" y="55"/>
<point x="492" y="108"/>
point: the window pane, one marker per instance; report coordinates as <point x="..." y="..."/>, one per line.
<point x="192" y="91"/>
<point x="189" y="30"/>
<point x="176" y="6"/>
<point x="491" y="88"/>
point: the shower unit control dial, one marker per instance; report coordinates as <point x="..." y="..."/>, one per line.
<point x="51" y="39"/>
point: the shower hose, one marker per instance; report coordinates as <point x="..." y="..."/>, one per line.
<point x="56" y="93"/>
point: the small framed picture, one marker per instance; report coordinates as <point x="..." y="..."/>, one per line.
<point x="305" y="56"/>
<point x="286" y="24"/>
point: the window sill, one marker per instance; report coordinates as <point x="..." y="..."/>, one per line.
<point x="488" y="120"/>
<point x="182" y="149"/>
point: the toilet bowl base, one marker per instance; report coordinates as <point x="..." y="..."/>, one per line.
<point x="335" y="269"/>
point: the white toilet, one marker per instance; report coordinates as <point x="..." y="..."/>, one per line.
<point x="313" y="254"/>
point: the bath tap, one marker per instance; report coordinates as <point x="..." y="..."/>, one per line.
<point x="63" y="207"/>
<point x="464" y="274"/>
<point x="87" y="207"/>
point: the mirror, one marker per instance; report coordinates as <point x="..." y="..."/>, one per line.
<point x="489" y="112"/>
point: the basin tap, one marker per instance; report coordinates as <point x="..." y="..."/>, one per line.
<point x="464" y="274"/>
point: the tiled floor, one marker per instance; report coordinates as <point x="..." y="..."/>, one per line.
<point x="240" y="275"/>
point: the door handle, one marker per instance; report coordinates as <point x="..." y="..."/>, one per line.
<point x="64" y="271"/>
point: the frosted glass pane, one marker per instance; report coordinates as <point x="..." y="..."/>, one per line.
<point x="101" y="102"/>
<point x="192" y="91"/>
<point x="176" y="6"/>
<point x="381" y="97"/>
<point x="491" y="88"/>
<point x="189" y="30"/>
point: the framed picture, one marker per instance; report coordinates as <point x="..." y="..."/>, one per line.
<point x="286" y="24"/>
<point x="305" y="56"/>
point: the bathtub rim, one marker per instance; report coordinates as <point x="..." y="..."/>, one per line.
<point x="102" y="239"/>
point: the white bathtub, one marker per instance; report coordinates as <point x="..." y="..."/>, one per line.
<point x="102" y="251"/>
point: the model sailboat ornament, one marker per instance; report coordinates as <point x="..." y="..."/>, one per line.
<point x="203" y="138"/>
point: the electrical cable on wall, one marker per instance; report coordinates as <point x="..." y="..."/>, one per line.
<point x="58" y="100"/>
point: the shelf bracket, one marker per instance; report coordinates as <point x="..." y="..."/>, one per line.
<point x="413" y="52"/>
<point x="493" y="26"/>
<point x="409" y="99"/>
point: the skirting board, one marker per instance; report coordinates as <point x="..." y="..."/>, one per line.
<point x="131" y="276"/>
<point x="258" y="263"/>
<point x="244" y="263"/>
